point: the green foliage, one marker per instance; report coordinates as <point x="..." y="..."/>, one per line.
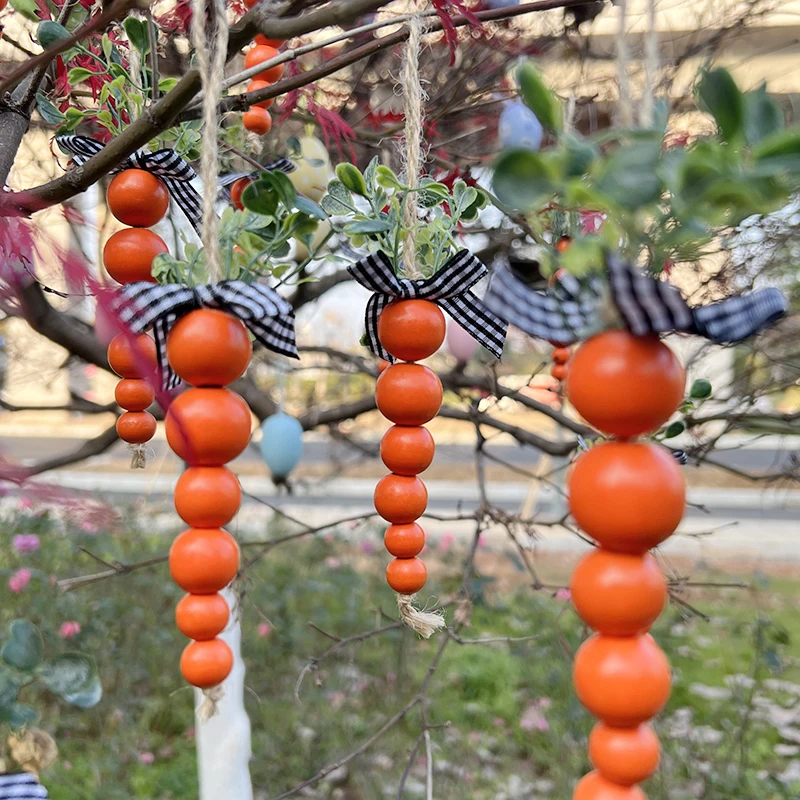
<point x="658" y="203"/>
<point x="72" y="676"/>
<point x="374" y="216"/>
<point x="254" y="242"/>
<point x="701" y="389"/>
<point x="538" y="97"/>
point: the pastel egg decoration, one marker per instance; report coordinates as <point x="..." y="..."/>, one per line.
<point x="461" y="344"/>
<point x="281" y="445"/>
<point x="519" y="127"/>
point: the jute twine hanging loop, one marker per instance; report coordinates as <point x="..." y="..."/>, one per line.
<point x="425" y="623"/>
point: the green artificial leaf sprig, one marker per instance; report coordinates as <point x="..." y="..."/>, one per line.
<point x="372" y="206"/>
<point x="255" y="242"/>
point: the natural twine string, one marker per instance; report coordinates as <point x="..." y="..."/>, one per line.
<point x="211" y="61"/>
<point x="424" y="623"/>
<point x="211" y="58"/>
<point x="138" y="455"/>
<point x="623" y="63"/>
<point x="650" y="66"/>
<point x="412" y="93"/>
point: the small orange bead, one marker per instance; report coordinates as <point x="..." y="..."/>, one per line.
<point x="134" y="394"/>
<point x="257" y="120"/>
<point x="595" y="787"/>
<point x="624" y="755"/>
<point x="132" y="356"/>
<point x="559" y="371"/>
<point x="406" y="575"/>
<point x="202" y="616"/>
<point x="255" y="86"/>
<point x="404" y="541"/>
<point x="206" y="664"/>
<point x="408" y="394"/>
<point x="136" y="427"/>
<point x="560" y="355"/>
<point x="407" y="450"/>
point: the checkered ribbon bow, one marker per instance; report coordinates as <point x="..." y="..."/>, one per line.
<point x="449" y="288"/>
<point x="266" y="314"/>
<point x="165" y="164"/>
<point x="22" y="786"/>
<point x="574" y="309"/>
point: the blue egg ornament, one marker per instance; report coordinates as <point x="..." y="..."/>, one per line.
<point x="281" y="445"/>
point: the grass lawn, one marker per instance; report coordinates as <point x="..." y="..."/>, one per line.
<point x="510" y="725"/>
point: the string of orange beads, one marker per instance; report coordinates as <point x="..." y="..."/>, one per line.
<point x="139" y="199"/>
<point x="257" y="118"/>
<point x="409" y="395"/>
<point x="629" y="497"/>
<point x="207" y="426"/>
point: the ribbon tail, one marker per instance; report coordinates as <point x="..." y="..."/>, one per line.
<point x="375" y="306"/>
<point x="375" y="272"/>
<point x="277" y="334"/>
<point x="161" y="328"/>
<point x="486" y="327"/>
<point x="188" y="200"/>
<point x="539" y="314"/>
<point x="740" y="317"/>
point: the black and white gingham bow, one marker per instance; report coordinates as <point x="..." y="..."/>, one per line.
<point x="645" y="305"/>
<point x="449" y="288"/>
<point x="142" y="305"/>
<point x="166" y="164"/>
<point x="22" y="786"/>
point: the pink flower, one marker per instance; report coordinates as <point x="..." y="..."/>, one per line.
<point x="332" y="563"/>
<point x="263" y="629"/>
<point x="337" y="700"/>
<point x="563" y="594"/>
<point x="88" y="527"/>
<point x="367" y="547"/>
<point x="25" y="543"/>
<point x="69" y="629"/>
<point x="146" y="758"/>
<point x="19" y="580"/>
<point x="533" y="718"/>
<point x="25" y="502"/>
<point x="446" y="542"/>
<point x="482" y="541"/>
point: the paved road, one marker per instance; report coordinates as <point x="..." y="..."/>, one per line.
<point x="29" y="450"/>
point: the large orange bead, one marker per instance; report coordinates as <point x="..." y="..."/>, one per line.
<point x="595" y="787"/>
<point x="623" y="681"/>
<point x="412" y="329"/>
<point x="203" y="560"/>
<point x="400" y="499"/>
<point x="628" y="496"/>
<point x="137" y="198"/>
<point x="207" y="497"/>
<point x="407" y="450"/>
<point x="208" y="427"/>
<point x="624" y="755"/>
<point x="625" y="385"/>
<point x="408" y="394"/>
<point x="618" y="594"/>
<point x="208" y="347"/>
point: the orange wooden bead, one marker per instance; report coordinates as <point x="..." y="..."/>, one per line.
<point x="207" y="497"/>
<point x="136" y="427"/>
<point x="206" y="664"/>
<point x="411" y="329"/>
<point x="618" y="594"/>
<point x="400" y="499"/>
<point x="406" y="575"/>
<point x="624" y="755"/>
<point x="202" y="616"/>
<point x="408" y="394"/>
<point x="132" y="356"/>
<point x="407" y="450"/>
<point x="134" y="394"/>
<point x="560" y="355"/>
<point x="204" y="560"/>
<point x="404" y="541"/>
<point x="623" y="681"/>
<point x="559" y="371"/>
<point x="595" y="787"/>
